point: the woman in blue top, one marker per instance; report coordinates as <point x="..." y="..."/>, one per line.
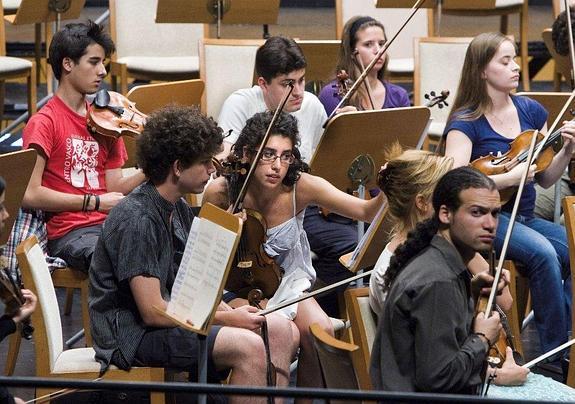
<point x="362" y="38"/>
<point x="485" y="119"/>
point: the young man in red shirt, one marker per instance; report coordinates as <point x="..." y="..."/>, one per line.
<point x="78" y="177"/>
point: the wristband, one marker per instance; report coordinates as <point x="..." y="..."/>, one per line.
<point x="85" y="203"/>
<point x="480" y="334"/>
<point x="97" y="205"/>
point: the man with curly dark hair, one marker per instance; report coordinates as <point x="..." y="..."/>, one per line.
<point x="135" y="264"/>
<point x="560" y="31"/>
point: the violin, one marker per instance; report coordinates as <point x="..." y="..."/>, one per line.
<point x="497" y="352"/>
<point x="113" y="115"/>
<point x="11" y="296"/>
<point x="252" y="269"/>
<point x="493" y="165"/>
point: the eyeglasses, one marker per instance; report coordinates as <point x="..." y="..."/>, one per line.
<point x="270" y="156"/>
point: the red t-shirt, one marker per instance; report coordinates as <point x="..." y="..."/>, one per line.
<point x="76" y="161"/>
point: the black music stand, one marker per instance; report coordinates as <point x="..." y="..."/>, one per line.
<point x="219" y="12"/>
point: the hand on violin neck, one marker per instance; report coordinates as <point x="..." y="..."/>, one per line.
<point x="348" y="108"/>
<point x="482" y="282"/>
<point x="510" y="373"/>
<point x="568" y="136"/>
<point x="490" y="327"/>
<point x="27" y="308"/>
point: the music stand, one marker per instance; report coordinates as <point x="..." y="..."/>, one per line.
<point x="353" y="145"/>
<point x="45" y="11"/>
<point x="219" y="11"/>
<point x="229" y="222"/>
<point x="16" y="169"/>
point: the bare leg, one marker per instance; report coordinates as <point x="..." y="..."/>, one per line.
<point x="309" y="372"/>
<point x="242" y="351"/>
<point x="283" y="345"/>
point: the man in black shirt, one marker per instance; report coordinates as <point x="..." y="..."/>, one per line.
<point x="133" y="266"/>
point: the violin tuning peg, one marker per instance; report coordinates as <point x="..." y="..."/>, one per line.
<point x="426" y="96"/>
<point x="572" y="111"/>
<point x="439" y="106"/>
<point x="445" y="103"/>
<point x="432" y="93"/>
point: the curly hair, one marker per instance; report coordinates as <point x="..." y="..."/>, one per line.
<point x="251" y="137"/>
<point x="446" y="193"/>
<point x="73" y="40"/>
<point x="176" y="133"/>
<point x="560" y="33"/>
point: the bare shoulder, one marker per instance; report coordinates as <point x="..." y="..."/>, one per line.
<point x="217" y="193"/>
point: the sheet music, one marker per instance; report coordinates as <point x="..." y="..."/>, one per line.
<point x="196" y="288"/>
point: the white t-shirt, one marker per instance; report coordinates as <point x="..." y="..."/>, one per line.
<point x="245" y="103"/>
<point x="376" y="294"/>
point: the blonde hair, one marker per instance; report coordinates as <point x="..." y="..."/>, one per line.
<point x="347" y="58"/>
<point x="408" y="174"/>
<point x="472" y="99"/>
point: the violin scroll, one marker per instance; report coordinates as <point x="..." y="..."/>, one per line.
<point x="439" y="100"/>
<point x="343" y="83"/>
<point x="225" y="168"/>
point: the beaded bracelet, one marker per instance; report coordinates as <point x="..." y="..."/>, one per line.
<point x="480" y="334"/>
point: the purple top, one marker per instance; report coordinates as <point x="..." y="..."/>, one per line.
<point x="395" y="96"/>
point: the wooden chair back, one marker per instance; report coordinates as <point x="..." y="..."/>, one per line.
<point x="392" y="18"/>
<point x="150" y="97"/>
<point x="221" y="72"/>
<point x="46" y="318"/>
<point x="363" y="328"/>
<point x="553" y="103"/>
<point x="16" y="169"/>
<point x="438" y="64"/>
<point x="335" y="360"/>
<point x="569" y="212"/>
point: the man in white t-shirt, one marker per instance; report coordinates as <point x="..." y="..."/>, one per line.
<point x="278" y="62"/>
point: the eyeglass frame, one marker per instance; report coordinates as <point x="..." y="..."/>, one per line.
<point x="276" y="156"/>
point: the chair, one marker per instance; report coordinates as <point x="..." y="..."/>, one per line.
<point x="148" y="50"/>
<point x="363" y="328"/>
<point x="335" y="360"/>
<point x="51" y="360"/>
<point x="569" y="212"/>
<point x="438" y="64"/>
<point x="401" y="62"/>
<point x="562" y="63"/>
<point x="553" y="102"/>
<point x="15" y="68"/>
<point x="502" y="8"/>
<point x="221" y="72"/>
<point x="16" y="168"/>
<point x="150" y="97"/>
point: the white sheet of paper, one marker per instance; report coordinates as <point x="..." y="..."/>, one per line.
<point x="201" y="272"/>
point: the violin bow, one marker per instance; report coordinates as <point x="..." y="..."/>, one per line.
<point x="497" y="275"/>
<point x="238" y="204"/>
<point x="371" y="64"/>
<point x="570" y="37"/>
<point x="366" y="82"/>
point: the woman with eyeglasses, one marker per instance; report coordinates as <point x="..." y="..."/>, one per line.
<point x="280" y="190"/>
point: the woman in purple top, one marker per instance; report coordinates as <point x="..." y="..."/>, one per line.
<point x="362" y="39"/>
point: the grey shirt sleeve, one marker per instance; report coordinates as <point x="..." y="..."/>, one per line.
<point x="439" y="315"/>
